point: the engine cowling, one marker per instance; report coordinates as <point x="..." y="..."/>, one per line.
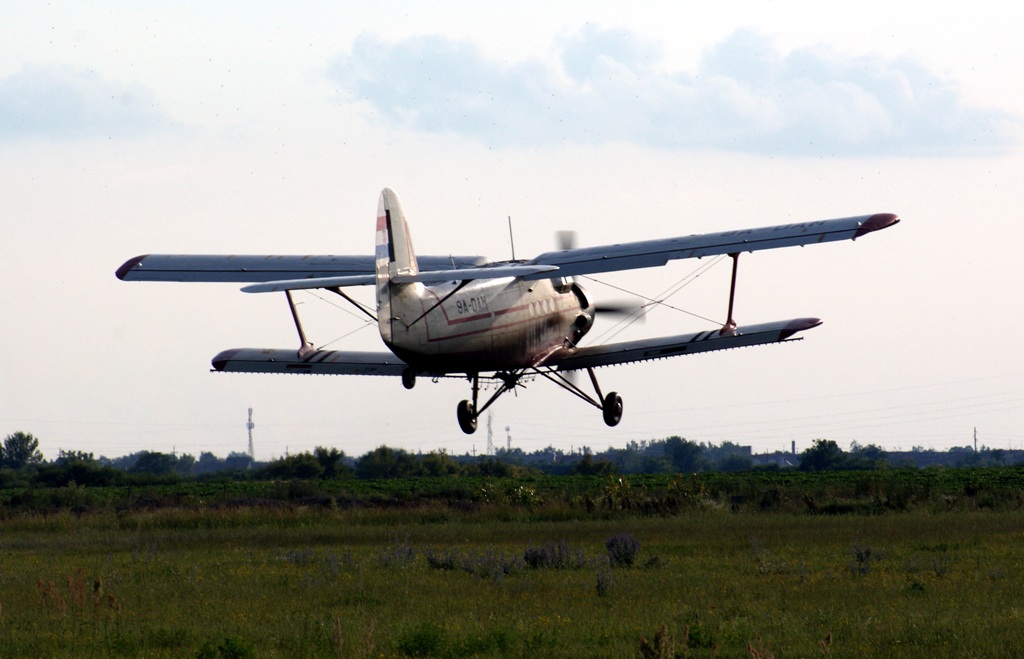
<point x="585" y="319"/>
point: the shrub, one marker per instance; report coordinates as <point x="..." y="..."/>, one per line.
<point x="622" y="550"/>
<point x="556" y="556"/>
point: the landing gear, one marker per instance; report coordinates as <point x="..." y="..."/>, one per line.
<point x="611" y="409"/>
<point x="408" y="378"/>
<point x="466" y="413"/>
<point x="469" y="411"/>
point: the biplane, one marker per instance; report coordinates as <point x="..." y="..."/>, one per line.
<point x="503" y="321"/>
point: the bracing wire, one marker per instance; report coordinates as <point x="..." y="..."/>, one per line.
<point x="658" y="300"/>
<point x="362" y="319"/>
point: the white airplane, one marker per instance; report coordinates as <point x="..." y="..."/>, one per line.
<point x="467" y="317"/>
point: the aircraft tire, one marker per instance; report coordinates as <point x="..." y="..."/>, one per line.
<point x="467" y="417"/>
<point x="611" y="409"/>
<point x="408" y="378"/>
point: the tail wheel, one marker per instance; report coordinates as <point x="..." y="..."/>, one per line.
<point x="611" y="409"/>
<point x="466" y="413"/>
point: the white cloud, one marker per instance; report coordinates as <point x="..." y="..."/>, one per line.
<point x="606" y="85"/>
<point x="61" y="101"/>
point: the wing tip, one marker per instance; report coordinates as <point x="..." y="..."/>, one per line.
<point x="129" y="265"/>
<point x="877" y="222"/>
<point x="799" y="325"/>
<point x="221" y="359"/>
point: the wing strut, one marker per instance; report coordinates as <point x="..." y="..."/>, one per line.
<point x="337" y="290"/>
<point x="306" y="347"/>
<point x="730" y="323"/>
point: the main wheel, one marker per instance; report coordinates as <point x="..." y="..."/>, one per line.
<point x="408" y="378"/>
<point x="467" y="417"/>
<point x="611" y="409"/>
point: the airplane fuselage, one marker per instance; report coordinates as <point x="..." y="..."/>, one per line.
<point x="485" y="325"/>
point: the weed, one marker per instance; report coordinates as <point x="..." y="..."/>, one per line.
<point x="941" y="564"/>
<point x="397" y="555"/>
<point x="758" y="650"/>
<point x="50" y="597"/>
<point x="489" y="564"/>
<point x="863" y="557"/>
<point x="826" y="644"/>
<point x="523" y="496"/>
<point x="428" y="639"/>
<point x="555" y="556"/>
<point x="230" y="648"/>
<point x="622" y="550"/>
<point x="438" y="560"/>
<point x="655" y="562"/>
<point x="700" y="636"/>
<point x="485" y="564"/>
<point x="297" y="557"/>
<point x="663" y="647"/>
<point x="605" y="582"/>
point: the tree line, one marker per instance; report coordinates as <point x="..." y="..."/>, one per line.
<point x="21" y="462"/>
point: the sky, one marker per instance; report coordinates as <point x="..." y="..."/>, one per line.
<point x="250" y="127"/>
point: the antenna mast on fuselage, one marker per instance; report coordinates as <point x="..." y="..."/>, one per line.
<point x="511" y="239"/>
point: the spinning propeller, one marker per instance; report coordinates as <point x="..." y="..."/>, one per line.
<point x="566" y="240"/>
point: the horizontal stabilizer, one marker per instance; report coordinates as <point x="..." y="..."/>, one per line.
<point x="468" y="274"/>
<point x="310" y="283"/>
<point x="426" y="277"/>
<point x="315" y="362"/>
<point x="683" y="344"/>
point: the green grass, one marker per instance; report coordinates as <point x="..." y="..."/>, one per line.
<point x="323" y="582"/>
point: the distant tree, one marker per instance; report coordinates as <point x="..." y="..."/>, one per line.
<point x="21" y="450"/>
<point x="685" y="456"/>
<point x="185" y="465"/>
<point x="237" y="461"/>
<point x="490" y="466"/>
<point x="154" y="462"/>
<point x="588" y="466"/>
<point x="80" y="468"/>
<point x="386" y="462"/>
<point x="736" y="462"/>
<point x="301" y="465"/>
<point x="208" y="463"/>
<point x="825" y="454"/>
<point x="866" y="457"/>
<point x="439" y="463"/>
<point x="71" y="457"/>
<point x="333" y="462"/>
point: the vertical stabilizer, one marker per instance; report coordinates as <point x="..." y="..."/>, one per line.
<point x="394" y="255"/>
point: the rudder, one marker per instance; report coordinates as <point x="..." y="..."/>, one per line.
<point x="394" y="256"/>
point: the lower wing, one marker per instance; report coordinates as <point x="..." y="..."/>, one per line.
<point x="342" y="362"/>
<point x="315" y="362"/>
<point x="683" y="344"/>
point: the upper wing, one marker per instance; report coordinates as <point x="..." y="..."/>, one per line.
<point x="352" y="270"/>
<point x="650" y="253"/>
<point x="683" y="344"/>
<point x="263" y="268"/>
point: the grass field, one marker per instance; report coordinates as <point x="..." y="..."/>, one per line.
<point x="498" y="579"/>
